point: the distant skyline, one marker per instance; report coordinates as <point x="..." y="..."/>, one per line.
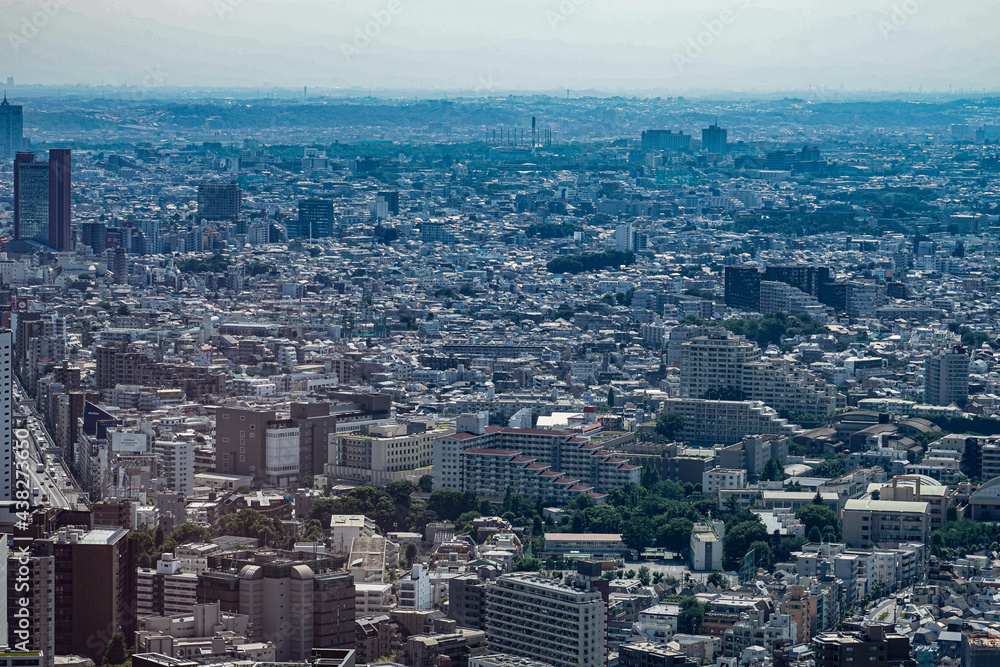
<point x="486" y="46"/>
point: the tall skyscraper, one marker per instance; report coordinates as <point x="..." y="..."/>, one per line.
<point x="11" y="129"/>
<point x="946" y="379"/>
<point x="42" y="199"/>
<point x="315" y="220"/>
<point x="31" y="198"/>
<point x="713" y="139"/>
<point x="95" y="235"/>
<point x="60" y="172"/>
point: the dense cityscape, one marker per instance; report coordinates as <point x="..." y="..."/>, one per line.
<point x="516" y="380"/>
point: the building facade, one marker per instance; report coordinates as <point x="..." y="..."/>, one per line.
<point x="543" y="619"/>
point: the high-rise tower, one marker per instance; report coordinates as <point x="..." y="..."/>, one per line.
<point x="11" y="129"/>
<point x="42" y="210"/>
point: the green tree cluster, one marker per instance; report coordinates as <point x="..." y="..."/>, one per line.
<point x="587" y="262"/>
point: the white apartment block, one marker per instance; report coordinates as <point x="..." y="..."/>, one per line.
<point x="716" y="479"/>
<point x="539" y="618"/>
<point x="536" y="463"/>
<point x="175" y="460"/>
<point x="345" y="527"/>
<point x="372" y="598"/>
<point x="708" y="422"/>
<point x="415" y="589"/>
<point x="722" y="360"/>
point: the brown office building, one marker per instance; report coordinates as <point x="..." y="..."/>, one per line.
<point x="315" y="426"/>
<point x="467" y="601"/>
<point x="94" y="580"/>
<point x="242" y="439"/>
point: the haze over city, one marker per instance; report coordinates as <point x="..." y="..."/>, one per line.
<point x="487" y="47"/>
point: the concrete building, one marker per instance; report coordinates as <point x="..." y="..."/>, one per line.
<point x="94" y="583"/>
<point x="166" y="589"/>
<point x="39" y="605"/>
<point x="542" y="619"/>
<point x="467" y="600"/>
<point x="706" y="546"/>
<point x="868" y="521"/>
<point x="504" y="660"/>
<point x="716" y="479"/>
<point x="415" y="589"/>
<point x="710" y="422"/>
<point x="916" y="488"/>
<point x="345" y="527"/>
<point x="371" y="558"/>
<point x="651" y="654"/>
<point x="42" y="200"/>
<point x="540" y="464"/>
<point x="372" y="598"/>
<point x="219" y="200"/>
<point x="876" y="645"/>
<point x="593" y="544"/>
<point x="315" y="220"/>
<point x="294" y="600"/>
<point x="387" y="453"/>
<point x="11" y="129"/>
<point x="202" y="629"/>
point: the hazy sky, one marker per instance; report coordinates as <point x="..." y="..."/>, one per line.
<point x="489" y="46"/>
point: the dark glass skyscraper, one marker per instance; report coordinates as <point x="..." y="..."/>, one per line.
<point x="315" y="220"/>
<point x="11" y="129"/>
<point x="220" y="200"/>
<point x="42" y="199"/>
<point x="60" y="172"/>
<point x="714" y="139"/>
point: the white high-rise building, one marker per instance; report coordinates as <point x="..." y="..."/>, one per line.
<point x="6" y="414"/>
<point x="176" y="464"/>
<point x="946" y="377"/>
<point x="282" y="454"/>
<point x="625" y="237"/>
